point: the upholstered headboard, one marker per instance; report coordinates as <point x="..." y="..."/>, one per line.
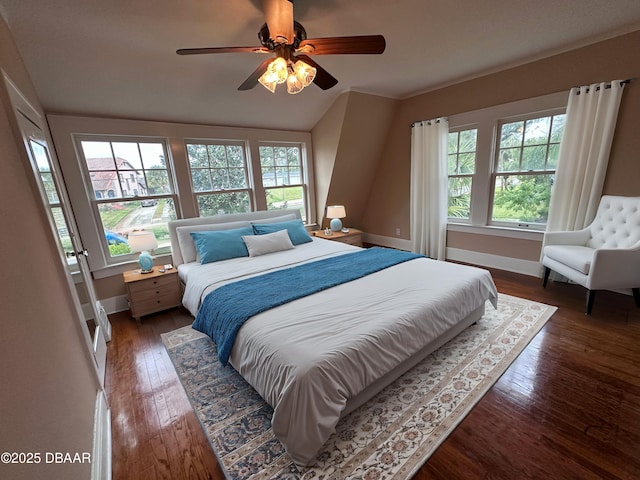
<point x="182" y="250"/>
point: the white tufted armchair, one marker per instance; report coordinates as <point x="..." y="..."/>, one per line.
<point x="603" y="256"/>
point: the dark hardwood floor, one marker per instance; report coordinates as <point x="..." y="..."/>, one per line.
<point x="567" y="408"/>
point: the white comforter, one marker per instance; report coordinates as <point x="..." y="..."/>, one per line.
<point x="309" y="357"/>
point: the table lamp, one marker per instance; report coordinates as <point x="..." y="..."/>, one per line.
<point x="335" y="213"/>
<point x="143" y="241"/>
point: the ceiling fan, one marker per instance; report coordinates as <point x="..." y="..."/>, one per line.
<point x="285" y="37"/>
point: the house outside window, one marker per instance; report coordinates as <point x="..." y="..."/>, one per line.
<point x="219" y="177"/>
<point x="283" y="177"/>
<point x="131" y="189"/>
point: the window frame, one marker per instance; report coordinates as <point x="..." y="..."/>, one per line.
<point x="249" y="177"/>
<point x="65" y="127"/>
<point x="522" y="172"/>
<point x="486" y="121"/>
<point x="304" y="184"/>
<point x="459" y="130"/>
<point x="100" y="243"/>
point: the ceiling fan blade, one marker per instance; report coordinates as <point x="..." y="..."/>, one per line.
<point x="364" y="44"/>
<point x="252" y="80"/>
<point x="279" y="17"/>
<point x="323" y="78"/>
<point x="198" y="51"/>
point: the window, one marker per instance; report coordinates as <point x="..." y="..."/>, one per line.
<point x="154" y="172"/>
<point x="525" y="164"/>
<point x="41" y="155"/>
<point x="131" y="189"/>
<point x="219" y="178"/>
<point x="501" y="164"/>
<point x="461" y="160"/>
<point x="283" y="177"/>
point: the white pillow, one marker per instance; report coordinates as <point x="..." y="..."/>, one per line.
<point x="268" y="243"/>
<point x="185" y="241"/>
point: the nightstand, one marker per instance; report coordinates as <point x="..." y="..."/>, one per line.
<point x="352" y="237"/>
<point x="152" y="292"/>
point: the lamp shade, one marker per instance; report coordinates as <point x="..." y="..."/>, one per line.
<point x="335" y="213"/>
<point x="141" y="240"/>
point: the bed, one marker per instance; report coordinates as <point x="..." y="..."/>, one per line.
<point x="316" y="358"/>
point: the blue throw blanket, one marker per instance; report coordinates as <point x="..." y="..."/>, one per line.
<point x="225" y="310"/>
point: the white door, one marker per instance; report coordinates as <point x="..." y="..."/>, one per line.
<point x="95" y="324"/>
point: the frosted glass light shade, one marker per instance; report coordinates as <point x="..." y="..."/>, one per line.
<point x="304" y="72"/>
<point x="297" y="75"/>
<point x="275" y="74"/>
<point x="294" y="85"/>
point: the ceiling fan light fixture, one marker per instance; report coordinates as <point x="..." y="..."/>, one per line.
<point x="283" y="35"/>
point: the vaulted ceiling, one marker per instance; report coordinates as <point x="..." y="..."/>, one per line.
<point x="118" y="58"/>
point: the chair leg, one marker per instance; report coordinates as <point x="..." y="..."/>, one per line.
<point x="547" y="271"/>
<point x="636" y="296"/>
<point x="591" y="296"/>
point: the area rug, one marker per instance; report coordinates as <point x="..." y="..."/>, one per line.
<point x="389" y="437"/>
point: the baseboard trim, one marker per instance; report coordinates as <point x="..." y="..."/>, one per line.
<point x="119" y="303"/>
<point x="391" y="242"/>
<point x="101" y="459"/>
<point x="510" y="264"/>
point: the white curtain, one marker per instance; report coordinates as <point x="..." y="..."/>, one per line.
<point x="429" y="187"/>
<point x="592" y="112"/>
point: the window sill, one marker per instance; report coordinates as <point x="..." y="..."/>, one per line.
<point x="494" y="231"/>
<point x="120" y="268"/>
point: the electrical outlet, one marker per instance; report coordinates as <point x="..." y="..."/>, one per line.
<point x="397" y="232"/>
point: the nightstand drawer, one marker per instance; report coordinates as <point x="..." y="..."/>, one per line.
<point x="154" y="283"/>
<point x="154" y="304"/>
<point x="352" y="240"/>
<point x="151" y="293"/>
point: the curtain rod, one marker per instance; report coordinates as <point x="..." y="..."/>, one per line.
<point x="608" y="85"/>
<point x="436" y="120"/>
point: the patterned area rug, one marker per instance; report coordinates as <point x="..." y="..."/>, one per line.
<point x="389" y="437"/>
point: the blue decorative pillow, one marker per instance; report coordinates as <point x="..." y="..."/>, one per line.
<point x="297" y="233"/>
<point x="219" y="245"/>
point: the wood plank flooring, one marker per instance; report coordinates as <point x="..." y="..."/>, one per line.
<point x="567" y="408"/>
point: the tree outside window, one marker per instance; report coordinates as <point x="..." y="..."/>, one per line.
<point x="282" y="177"/>
<point x="461" y="165"/>
<point x="526" y="161"/>
<point x="219" y="178"/>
